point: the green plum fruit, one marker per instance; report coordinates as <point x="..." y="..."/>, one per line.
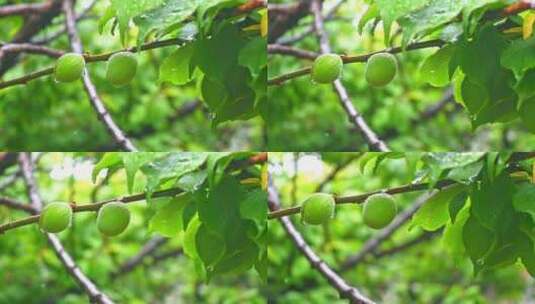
<point x="113" y="218"/>
<point x="55" y="217"/>
<point x="69" y="67"/>
<point x="318" y="209"/>
<point x="121" y="68"/>
<point x="327" y="68"/>
<point x="379" y="210"/>
<point x="381" y="68"/>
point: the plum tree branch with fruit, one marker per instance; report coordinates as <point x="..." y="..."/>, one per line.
<point x="94" y="294"/>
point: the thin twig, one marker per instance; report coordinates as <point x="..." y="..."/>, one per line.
<point x="355" y="117"/>
<point x="328" y="16"/>
<point x="14" y="204"/>
<point x="103" y="114"/>
<point x="147" y="250"/>
<point x="291" y="51"/>
<point x="29" y="48"/>
<point x="426" y="236"/>
<point x="336" y="281"/>
<point x="332" y="175"/>
<point x="82" y="15"/>
<point x="94" y="294"/>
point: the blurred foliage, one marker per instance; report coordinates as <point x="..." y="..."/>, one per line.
<point x="427" y="272"/>
<point x="30" y="272"/>
<point x="300" y="107"/>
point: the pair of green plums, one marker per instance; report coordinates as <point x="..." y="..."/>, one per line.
<point x="379" y="210"/>
<point x="120" y="70"/>
<point x="112" y="218"/>
<point x="381" y="68"/>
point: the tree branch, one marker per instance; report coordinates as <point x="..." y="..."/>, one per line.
<point x="291" y="51"/>
<point x="90" y="59"/>
<point x="408" y="244"/>
<point x="14" y="204"/>
<point x="96" y="102"/>
<point x="332" y="175"/>
<point x="25" y="9"/>
<point x="374" y="142"/>
<point x="360" y="198"/>
<point x="348" y="59"/>
<point x="95" y="295"/>
<point x="29" y="48"/>
<point x="92" y="207"/>
<point x="328" y="16"/>
<point x="344" y="289"/>
<point x="33" y="24"/>
<point x="148" y="249"/>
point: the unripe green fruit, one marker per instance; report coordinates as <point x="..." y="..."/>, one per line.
<point x="527" y="114"/>
<point x="327" y="68"/>
<point x="55" y="217"/>
<point x="121" y="68"/>
<point x="113" y="218"/>
<point x="69" y="67"/>
<point x="317" y="209"/>
<point x="381" y="69"/>
<point x="379" y="210"/>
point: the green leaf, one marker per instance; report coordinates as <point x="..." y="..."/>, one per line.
<point x="526" y="252"/>
<point x="436" y="67"/>
<point x="168" y="218"/>
<point x="226" y="43"/>
<point x="429" y="17"/>
<point x="171" y="166"/>
<point x="108" y="15"/>
<point x="448" y="160"/>
<point x="478" y="241"/>
<point x="110" y="160"/>
<point x="519" y="56"/>
<point x="475" y="96"/>
<point x="240" y="260"/>
<point x="254" y="55"/>
<point x="210" y="246"/>
<point x="190" y="247"/>
<point x="371" y="13"/>
<point x="434" y="213"/>
<point x="456" y="205"/>
<point x="133" y="162"/>
<point x="452" y="239"/>
<point x="165" y="17"/>
<point x="524" y="199"/>
<point x="392" y="10"/>
<point x="490" y="199"/>
<point x="254" y="208"/>
<point x="466" y="174"/>
<point x="177" y="67"/>
<point x="192" y="181"/>
<point x="128" y="9"/>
